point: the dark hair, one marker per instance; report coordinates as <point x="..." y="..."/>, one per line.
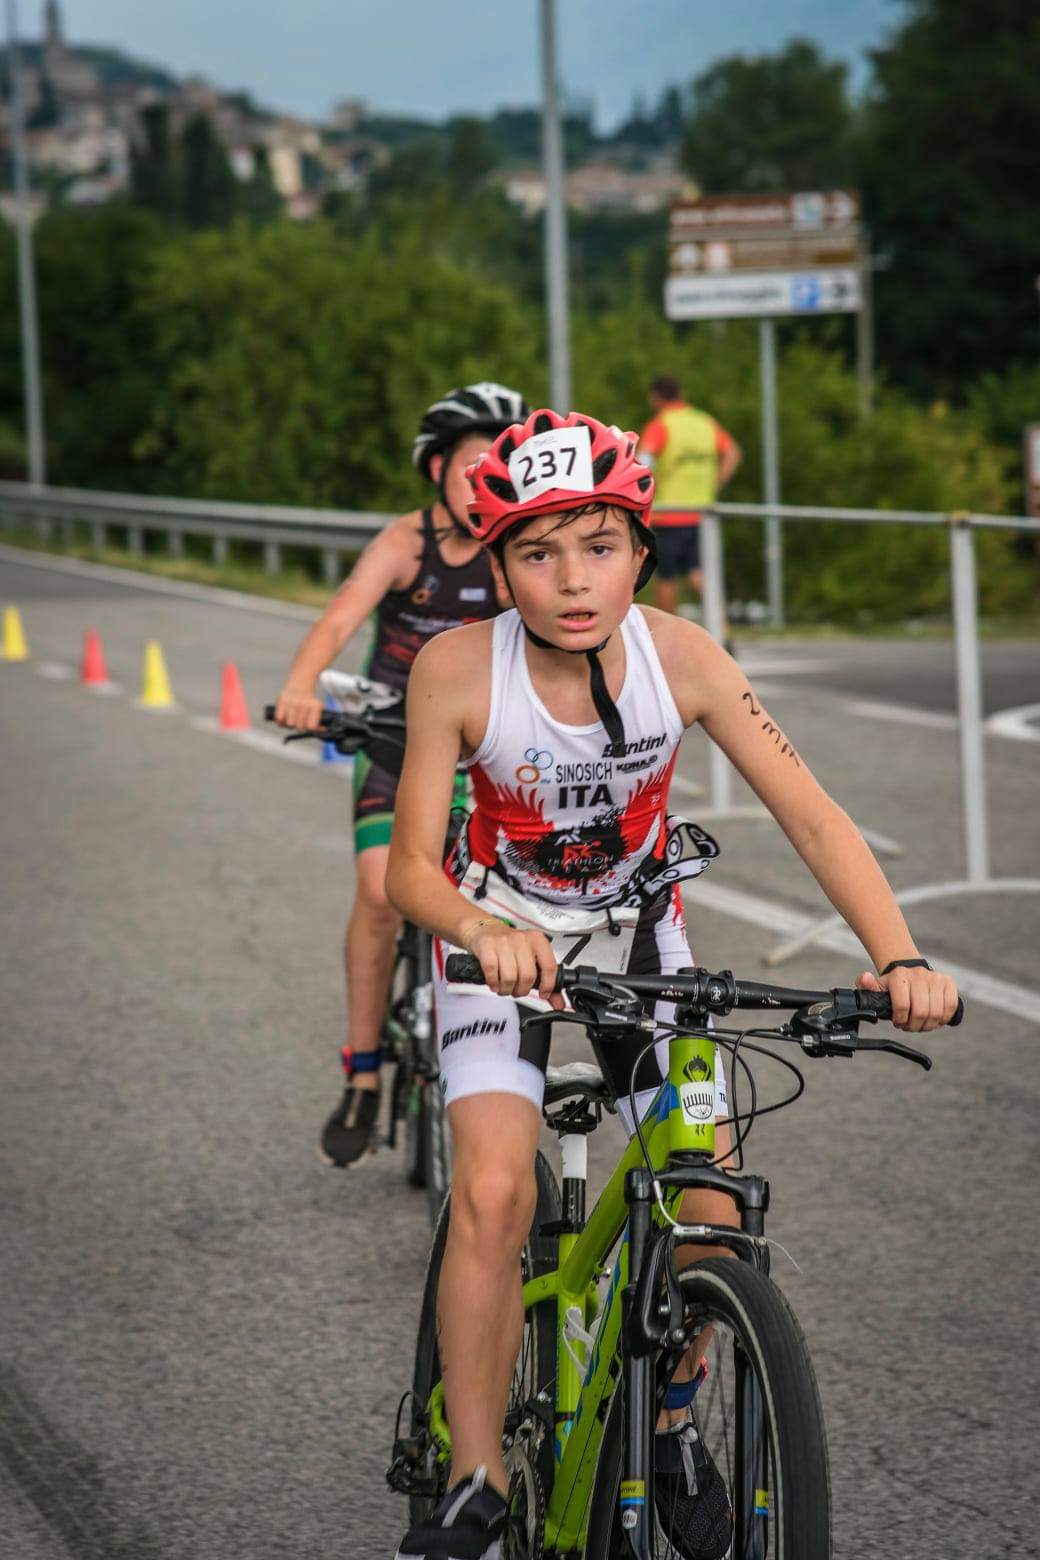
<point x="636" y="529"/>
<point x="667" y="387"/>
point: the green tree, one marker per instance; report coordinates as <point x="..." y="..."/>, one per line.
<point x="153" y="173"/>
<point x="299" y="366"/>
<point x="257" y="197"/>
<point x="100" y="369"/>
<point x="471" y="155"/>
<point x="772" y="122"/>
<point x="951" y="170"/>
<point x="209" y="189"/>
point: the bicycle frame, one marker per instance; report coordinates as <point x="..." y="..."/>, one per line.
<point x="679" y="1130"/>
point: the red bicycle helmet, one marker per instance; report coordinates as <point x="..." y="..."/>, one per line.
<point x="551" y="463"/>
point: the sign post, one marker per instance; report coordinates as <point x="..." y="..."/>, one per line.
<point x="768" y="257"/>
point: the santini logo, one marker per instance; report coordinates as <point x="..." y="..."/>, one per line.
<point x="483" y="1026"/>
<point x="644" y="745"/>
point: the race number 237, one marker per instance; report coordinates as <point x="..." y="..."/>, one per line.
<point x="560" y="458"/>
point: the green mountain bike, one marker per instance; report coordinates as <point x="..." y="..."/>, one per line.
<point x="610" y="1316"/>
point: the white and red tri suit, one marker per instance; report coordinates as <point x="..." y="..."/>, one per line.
<point x="564" y="819"/>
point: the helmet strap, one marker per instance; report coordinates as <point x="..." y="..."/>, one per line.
<point x="606" y="709"/>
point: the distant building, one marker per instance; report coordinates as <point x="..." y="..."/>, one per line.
<point x="72" y="80"/>
<point x="599" y="186"/>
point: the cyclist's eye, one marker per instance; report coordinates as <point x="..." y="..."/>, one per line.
<point x="535" y="557"/>
<point x="602" y="548"/>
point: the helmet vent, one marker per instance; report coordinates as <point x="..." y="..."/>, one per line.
<point x="603" y="465"/>
<point x="506" y="448"/>
<point x="542" y="423"/>
<point x="501" y="489"/>
<point x="643" y="483"/>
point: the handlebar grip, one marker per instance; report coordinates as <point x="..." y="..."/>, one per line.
<point x="269" y="712"/>
<point x="880" y="1003"/>
<point x="463" y="969"/>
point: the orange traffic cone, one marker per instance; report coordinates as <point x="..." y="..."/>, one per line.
<point x="92" y="670"/>
<point x="234" y="712"/>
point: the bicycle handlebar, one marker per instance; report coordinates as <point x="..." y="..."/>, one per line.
<point x="719" y="994"/>
<point x="381" y="731"/>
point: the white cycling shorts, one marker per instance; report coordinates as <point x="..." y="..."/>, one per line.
<point x="478" y="1033"/>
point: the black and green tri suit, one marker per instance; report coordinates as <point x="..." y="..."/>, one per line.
<point x="440" y="596"/>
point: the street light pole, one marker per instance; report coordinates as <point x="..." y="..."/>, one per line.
<point x="555" y="221"/>
<point x="26" y="269"/>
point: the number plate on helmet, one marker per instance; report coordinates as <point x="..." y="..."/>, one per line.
<point x="561" y="458"/>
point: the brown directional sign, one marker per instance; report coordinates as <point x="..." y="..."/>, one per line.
<point x="779" y="252"/>
<point x="746" y="214"/>
<point x="732" y="255"/>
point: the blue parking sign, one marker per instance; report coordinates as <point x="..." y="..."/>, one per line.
<point x="806" y="292"/>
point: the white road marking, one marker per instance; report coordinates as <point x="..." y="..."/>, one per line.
<point x="687" y="787"/>
<point x="308" y="753"/>
<point x="780" y="666"/>
<point x="55" y="671"/>
<point x="903" y="714"/>
<point x="772" y="916"/>
<point x="1014" y="723"/>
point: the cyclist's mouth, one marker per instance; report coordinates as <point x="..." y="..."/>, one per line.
<point x="576" y="621"/>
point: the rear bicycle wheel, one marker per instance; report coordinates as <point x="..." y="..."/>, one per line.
<point x="530" y="1437"/>
<point x="759" y="1418"/>
<point x="436" y="1147"/>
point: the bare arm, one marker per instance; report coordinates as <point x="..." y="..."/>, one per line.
<point x="386" y="562"/>
<point x="730" y="459"/>
<point x="440" y="687"/>
<point x="716" y="692"/>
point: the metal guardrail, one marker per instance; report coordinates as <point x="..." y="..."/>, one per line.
<point x="336" y="531"/>
<point x="272" y="526"/>
<point x="964" y="589"/>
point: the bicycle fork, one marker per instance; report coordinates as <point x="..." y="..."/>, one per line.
<point x="639" y="1401"/>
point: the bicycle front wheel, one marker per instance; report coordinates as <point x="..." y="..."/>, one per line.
<point x="759" y="1419"/>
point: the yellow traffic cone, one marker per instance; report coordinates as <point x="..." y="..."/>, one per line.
<point x="155" y="689"/>
<point x="14" y="647"/>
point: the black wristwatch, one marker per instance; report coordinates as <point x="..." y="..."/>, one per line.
<point x="906" y="964"/>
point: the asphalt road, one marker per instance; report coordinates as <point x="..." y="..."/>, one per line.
<point x="203" y="1333"/>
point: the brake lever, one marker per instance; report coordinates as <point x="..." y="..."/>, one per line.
<point x="896" y="1048"/>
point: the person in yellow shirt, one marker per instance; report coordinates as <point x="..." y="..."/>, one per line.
<point x="693" y="458"/>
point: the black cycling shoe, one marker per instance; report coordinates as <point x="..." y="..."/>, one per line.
<point x="351" y="1129"/>
<point x="691" y="1496"/>
<point x="468" y="1524"/>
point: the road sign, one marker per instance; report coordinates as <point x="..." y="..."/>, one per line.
<point x="764" y="255"/>
<point x="1032" y="452"/>
<point x="762" y="294"/>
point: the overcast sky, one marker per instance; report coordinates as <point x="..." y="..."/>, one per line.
<point x="433" y="59"/>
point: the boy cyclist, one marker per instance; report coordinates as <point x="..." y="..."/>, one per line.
<point x="568" y="711"/>
<point x="424" y="573"/>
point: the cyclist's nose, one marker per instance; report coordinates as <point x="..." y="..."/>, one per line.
<point x="571" y="577"/>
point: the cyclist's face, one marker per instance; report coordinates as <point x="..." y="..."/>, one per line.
<point x="573" y="579"/>
<point x="462" y="455"/>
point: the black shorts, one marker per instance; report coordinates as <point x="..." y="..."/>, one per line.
<point x="678" y="550"/>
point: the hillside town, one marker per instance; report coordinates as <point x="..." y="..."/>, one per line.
<point x="85" y="111"/>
